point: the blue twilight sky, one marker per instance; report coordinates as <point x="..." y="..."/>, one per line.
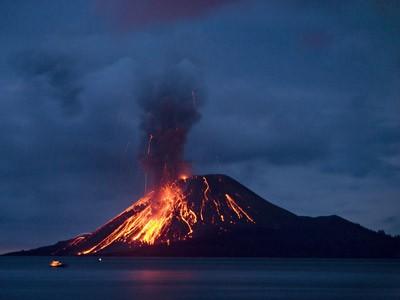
<point x="302" y="105"/>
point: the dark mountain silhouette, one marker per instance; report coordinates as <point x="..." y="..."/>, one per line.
<point x="214" y="215"/>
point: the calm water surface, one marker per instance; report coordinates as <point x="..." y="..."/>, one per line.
<point x="159" y="278"/>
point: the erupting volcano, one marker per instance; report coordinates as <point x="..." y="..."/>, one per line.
<point x="167" y="215"/>
<point x="211" y="215"/>
<point x="176" y="212"/>
<point x="214" y="215"/>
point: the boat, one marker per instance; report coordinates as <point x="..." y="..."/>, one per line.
<point x="56" y="264"/>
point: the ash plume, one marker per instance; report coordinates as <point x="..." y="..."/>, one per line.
<point x="170" y="107"/>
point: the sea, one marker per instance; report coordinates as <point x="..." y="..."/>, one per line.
<point x="198" y="278"/>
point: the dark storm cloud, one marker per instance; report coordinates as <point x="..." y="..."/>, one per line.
<point x="51" y="74"/>
<point x="324" y="116"/>
<point x="363" y="137"/>
<point x="59" y="161"/>
<point x="353" y="137"/>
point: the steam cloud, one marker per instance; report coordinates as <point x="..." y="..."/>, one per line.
<point x="170" y="107"/>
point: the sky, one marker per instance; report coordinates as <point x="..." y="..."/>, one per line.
<point x="301" y="103"/>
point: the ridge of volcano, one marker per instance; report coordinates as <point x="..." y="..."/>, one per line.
<point x="214" y="215"/>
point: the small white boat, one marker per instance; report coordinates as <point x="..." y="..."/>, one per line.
<point x="56" y="264"/>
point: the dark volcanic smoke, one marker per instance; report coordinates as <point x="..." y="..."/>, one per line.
<point x="170" y="109"/>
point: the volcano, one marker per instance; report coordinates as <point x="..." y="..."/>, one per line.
<point x="214" y="215"/>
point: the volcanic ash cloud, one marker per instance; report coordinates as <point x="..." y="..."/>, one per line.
<point x="170" y="107"/>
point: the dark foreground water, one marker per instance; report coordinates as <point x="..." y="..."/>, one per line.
<point x="158" y="278"/>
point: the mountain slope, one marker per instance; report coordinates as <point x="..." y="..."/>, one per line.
<point x="214" y="215"/>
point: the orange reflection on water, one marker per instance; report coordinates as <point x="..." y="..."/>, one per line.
<point x="160" y="276"/>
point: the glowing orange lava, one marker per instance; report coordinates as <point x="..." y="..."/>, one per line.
<point x="147" y="225"/>
<point x="237" y="209"/>
<point x="167" y="215"/>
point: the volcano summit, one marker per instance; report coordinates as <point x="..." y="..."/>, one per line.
<point x="214" y="215"/>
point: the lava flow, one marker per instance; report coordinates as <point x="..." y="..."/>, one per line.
<point x="172" y="213"/>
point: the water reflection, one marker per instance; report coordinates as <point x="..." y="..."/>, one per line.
<point x="161" y="276"/>
<point x="190" y="279"/>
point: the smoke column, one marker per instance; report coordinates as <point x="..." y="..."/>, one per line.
<point x="170" y="107"/>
